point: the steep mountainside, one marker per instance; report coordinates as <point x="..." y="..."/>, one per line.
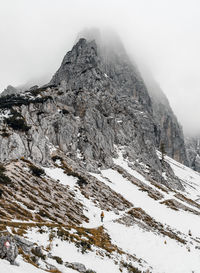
<point x="54" y="218"/>
<point x="169" y="132"/>
<point x="95" y="101"/>
<point x="86" y="142"/>
<point x="193" y="152"/>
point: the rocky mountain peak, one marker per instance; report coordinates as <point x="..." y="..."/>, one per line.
<point x="10" y="90"/>
<point x="95" y="102"/>
<point x="88" y="142"/>
<point x="102" y="65"/>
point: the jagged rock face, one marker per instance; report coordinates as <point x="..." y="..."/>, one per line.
<point x="8" y="249"/>
<point x="193" y="152"/>
<point x="96" y="101"/>
<point x="111" y="100"/>
<point x="168" y="131"/>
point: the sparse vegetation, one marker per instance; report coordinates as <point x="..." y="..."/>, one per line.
<point x="84" y="245"/>
<point x="5" y="133"/>
<point x="130" y="267"/>
<point x="38" y="253"/>
<point x="81" y="180"/>
<point x="56" y="157"/>
<point x="139" y="213"/>
<point x="17" y="122"/>
<point x="4" y="179"/>
<point x="36" y="170"/>
<point x="162" y="150"/>
<point x="57" y="259"/>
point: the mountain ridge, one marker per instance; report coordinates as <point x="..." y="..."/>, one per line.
<point x="85" y="142"/>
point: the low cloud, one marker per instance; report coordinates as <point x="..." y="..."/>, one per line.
<point x="163" y="35"/>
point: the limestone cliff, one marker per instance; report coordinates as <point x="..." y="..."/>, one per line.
<point x="95" y="102"/>
<point x="168" y="130"/>
<point x="193" y="152"/>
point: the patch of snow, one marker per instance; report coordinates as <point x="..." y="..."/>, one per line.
<point x="180" y="220"/>
<point x="164" y="258"/>
<point x="189" y="178"/>
<point x="69" y="253"/>
<point x="58" y="162"/>
<point x="5" y="114"/>
<point x="164" y="175"/>
<point x="78" y="154"/>
<point x="6" y="267"/>
<point x="59" y="175"/>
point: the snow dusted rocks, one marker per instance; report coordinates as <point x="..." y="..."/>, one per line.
<point x="8" y="249"/>
<point x="96" y="101"/>
<point x="24" y="244"/>
<point x="167" y="131"/>
<point x="193" y="152"/>
<point x="77" y="266"/>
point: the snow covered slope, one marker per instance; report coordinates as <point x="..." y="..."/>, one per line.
<point x="153" y="228"/>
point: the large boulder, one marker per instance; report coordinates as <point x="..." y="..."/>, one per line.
<point x="8" y="248"/>
<point x="76" y="266"/>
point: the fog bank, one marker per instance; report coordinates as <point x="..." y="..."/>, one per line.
<point x="163" y="35"/>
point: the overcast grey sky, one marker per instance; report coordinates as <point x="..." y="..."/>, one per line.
<point x="162" y="34"/>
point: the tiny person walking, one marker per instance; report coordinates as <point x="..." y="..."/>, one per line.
<point x="102" y="216"/>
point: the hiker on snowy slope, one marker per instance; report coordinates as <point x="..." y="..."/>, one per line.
<point x="102" y="216"/>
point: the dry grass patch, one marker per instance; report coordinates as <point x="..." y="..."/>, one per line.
<point x="170" y="203"/>
<point x="140" y="214"/>
<point x="187" y="200"/>
<point x="175" y="205"/>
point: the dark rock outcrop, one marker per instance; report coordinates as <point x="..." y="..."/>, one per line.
<point x="8" y="249"/>
<point x="193" y="152"/>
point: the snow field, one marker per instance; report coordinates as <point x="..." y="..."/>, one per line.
<point x="172" y="257"/>
<point x="164" y="258"/>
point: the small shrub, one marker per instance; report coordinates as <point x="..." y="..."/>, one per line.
<point x="25" y="160"/>
<point x="17" y="122"/>
<point x="36" y="171"/>
<point x="2" y="168"/>
<point x="58" y="259"/>
<point x="35" y="92"/>
<point x="81" y="181"/>
<point x="56" y="157"/>
<point x="1" y="192"/>
<point x="38" y="253"/>
<point x="4" y="179"/>
<point x="84" y="246"/>
<point x="65" y="112"/>
<point x="130" y="268"/>
<point x="5" y="133"/>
